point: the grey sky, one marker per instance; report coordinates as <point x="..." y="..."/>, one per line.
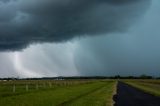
<point x="23" y="22"/>
<point x="134" y="52"/>
<point x="126" y="41"/>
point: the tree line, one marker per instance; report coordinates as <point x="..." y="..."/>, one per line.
<point x="84" y="77"/>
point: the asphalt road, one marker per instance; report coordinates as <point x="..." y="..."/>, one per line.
<point x="130" y="96"/>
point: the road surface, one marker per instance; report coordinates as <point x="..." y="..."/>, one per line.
<point x="129" y="96"/>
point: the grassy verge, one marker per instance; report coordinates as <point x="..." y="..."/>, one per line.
<point x="148" y="86"/>
<point x="98" y="90"/>
<point x="100" y="97"/>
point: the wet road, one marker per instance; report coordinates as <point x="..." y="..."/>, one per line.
<point x="129" y="96"/>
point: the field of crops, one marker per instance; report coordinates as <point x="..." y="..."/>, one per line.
<point x="149" y="86"/>
<point x="57" y="93"/>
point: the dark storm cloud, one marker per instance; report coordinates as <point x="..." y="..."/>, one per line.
<point x="119" y="55"/>
<point x="23" y="22"/>
<point x="134" y="52"/>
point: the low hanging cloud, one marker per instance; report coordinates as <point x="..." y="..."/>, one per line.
<point x="23" y="22"/>
<point x="134" y="52"/>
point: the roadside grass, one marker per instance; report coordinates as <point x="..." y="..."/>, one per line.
<point x="100" y="97"/>
<point x="7" y="87"/>
<point x="148" y="86"/>
<point x="101" y="91"/>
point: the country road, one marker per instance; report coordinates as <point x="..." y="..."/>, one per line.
<point x="129" y="96"/>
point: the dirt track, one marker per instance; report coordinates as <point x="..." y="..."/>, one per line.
<point x="129" y="96"/>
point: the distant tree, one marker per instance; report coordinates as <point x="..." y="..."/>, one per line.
<point x="117" y="77"/>
<point x="143" y="76"/>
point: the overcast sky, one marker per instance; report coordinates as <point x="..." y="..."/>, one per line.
<point x="40" y="38"/>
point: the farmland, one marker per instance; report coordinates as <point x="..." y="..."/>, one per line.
<point x="57" y="93"/>
<point x="79" y="92"/>
<point x="148" y="86"/>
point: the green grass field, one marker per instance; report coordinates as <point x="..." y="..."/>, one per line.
<point x="57" y="93"/>
<point x="149" y="86"/>
<point x="67" y="92"/>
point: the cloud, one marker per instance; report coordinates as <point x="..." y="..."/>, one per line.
<point x="24" y="22"/>
<point x="134" y="52"/>
<point x="7" y="68"/>
<point x="51" y="60"/>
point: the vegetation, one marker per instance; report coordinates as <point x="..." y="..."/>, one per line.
<point x="149" y="86"/>
<point x="100" y="97"/>
<point x="57" y="92"/>
<point x="143" y="76"/>
<point x="68" y="92"/>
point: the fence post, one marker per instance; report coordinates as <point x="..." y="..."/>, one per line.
<point x="44" y="85"/>
<point x="26" y="87"/>
<point x="50" y="85"/>
<point x="14" y="88"/>
<point x="37" y="87"/>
